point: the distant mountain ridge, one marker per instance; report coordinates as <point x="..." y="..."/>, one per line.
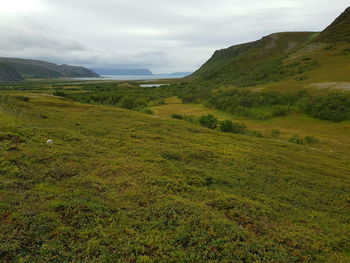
<point x="126" y="72"/>
<point x="299" y="55"/>
<point x="29" y="68"/>
<point x="8" y="74"/>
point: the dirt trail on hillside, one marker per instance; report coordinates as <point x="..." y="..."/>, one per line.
<point x="332" y="85"/>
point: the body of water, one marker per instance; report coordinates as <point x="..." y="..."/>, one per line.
<point x="133" y="77"/>
<point x="152" y="85"/>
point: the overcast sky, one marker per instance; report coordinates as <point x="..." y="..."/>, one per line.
<point x="161" y="35"/>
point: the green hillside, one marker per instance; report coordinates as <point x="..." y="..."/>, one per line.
<point x="41" y="69"/>
<point x="122" y="186"/>
<point x="197" y="170"/>
<point x="281" y="56"/>
<point x="339" y="30"/>
<point x="256" y="62"/>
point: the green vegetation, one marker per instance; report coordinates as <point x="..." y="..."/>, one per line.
<point x="233" y="127"/>
<point x="257" y="62"/>
<point x="338" y="30"/>
<point x="104" y="191"/>
<point x="263" y="105"/>
<point x="308" y="139"/>
<point x="208" y="121"/>
<point x="127" y="97"/>
<point x="98" y="172"/>
<point x="333" y="107"/>
<point x="298" y="56"/>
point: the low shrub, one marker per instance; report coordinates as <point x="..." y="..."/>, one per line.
<point x="177" y="116"/>
<point x="226" y="126"/>
<point x="147" y="111"/>
<point x="23" y="98"/>
<point x="333" y="107"/>
<point x="209" y="121"/>
<point x="279" y="110"/>
<point x="296" y="139"/>
<point x="311" y="139"/>
<point x="59" y="93"/>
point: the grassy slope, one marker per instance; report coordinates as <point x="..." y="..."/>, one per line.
<point x="255" y="62"/>
<point x="314" y="58"/>
<point x="336" y="138"/>
<point x="120" y="186"/>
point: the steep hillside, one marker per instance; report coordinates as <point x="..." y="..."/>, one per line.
<point x="8" y="73"/>
<point x="330" y="50"/>
<point x="41" y="69"/>
<point x="339" y="30"/>
<point x="321" y="57"/>
<point x="254" y="62"/>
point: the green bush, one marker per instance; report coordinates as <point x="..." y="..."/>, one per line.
<point x="296" y="139"/>
<point x="233" y="127"/>
<point x="333" y="107"/>
<point x="226" y="126"/>
<point x="59" y="93"/>
<point x="147" y="111"/>
<point x="279" y="110"/>
<point x="190" y="118"/>
<point x="209" y="121"/>
<point x="23" y="98"/>
<point x="177" y="116"/>
<point x="311" y="139"/>
<point x="130" y="102"/>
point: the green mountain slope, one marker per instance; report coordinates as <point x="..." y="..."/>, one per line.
<point x="293" y="55"/>
<point x="8" y="73"/>
<point x="41" y="69"/>
<point x="255" y="62"/>
<point x="339" y="30"/>
<point x="121" y="186"/>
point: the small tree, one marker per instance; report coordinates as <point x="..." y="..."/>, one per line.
<point x="233" y="127"/>
<point x="226" y="126"/>
<point x="209" y="121"/>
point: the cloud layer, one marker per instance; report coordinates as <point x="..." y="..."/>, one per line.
<point x="164" y="36"/>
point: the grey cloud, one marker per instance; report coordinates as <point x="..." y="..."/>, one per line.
<point x="161" y="35"/>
